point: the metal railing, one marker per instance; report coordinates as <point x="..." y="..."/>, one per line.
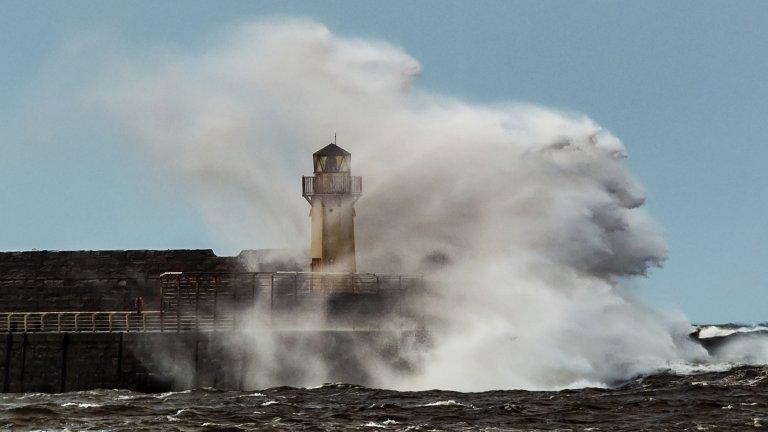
<point x="210" y="293"/>
<point x="331" y="283"/>
<point x="200" y="301"/>
<point x="332" y="184"/>
<point x="110" y="322"/>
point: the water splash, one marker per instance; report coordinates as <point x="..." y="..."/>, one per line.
<point x="525" y="216"/>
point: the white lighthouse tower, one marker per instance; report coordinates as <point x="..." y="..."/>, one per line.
<point x="332" y="193"/>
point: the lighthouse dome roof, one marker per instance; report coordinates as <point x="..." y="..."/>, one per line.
<point x="331" y="150"/>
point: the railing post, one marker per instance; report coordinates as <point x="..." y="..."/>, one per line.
<point x="93" y="321"/>
<point x="197" y="302"/>
<point x="109" y="322"/>
<point x="26" y="316"/>
<point x="234" y="306"/>
<point x="215" y="298"/>
<point x="161" y="280"/>
<point x="76" y="323"/>
<point x="178" y="303"/>
<point x="272" y="292"/>
<point x="58" y="321"/>
<point x="253" y="289"/>
<point x="127" y="321"/>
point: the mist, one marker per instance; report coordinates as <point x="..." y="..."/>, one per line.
<point x="525" y="218"/>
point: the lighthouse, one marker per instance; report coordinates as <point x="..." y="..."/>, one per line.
<point x="332" y="193"/>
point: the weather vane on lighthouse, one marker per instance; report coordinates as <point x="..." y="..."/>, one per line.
<point x="332" y="193"/>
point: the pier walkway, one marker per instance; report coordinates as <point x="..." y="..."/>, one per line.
<point x="208" y="302"/>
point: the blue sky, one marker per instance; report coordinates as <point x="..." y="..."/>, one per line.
<point x="681" y="83"/>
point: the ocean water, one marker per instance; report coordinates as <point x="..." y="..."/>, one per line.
<point x="736" y="399"/>
<point x="726" y="397"/>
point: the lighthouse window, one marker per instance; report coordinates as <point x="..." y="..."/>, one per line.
<point x="320" y="163"/>
<point x="343" y="163"/>
<point x="330" y="164"/>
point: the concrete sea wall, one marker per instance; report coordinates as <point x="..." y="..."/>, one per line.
<point x="108" y="280"/>
<point x="154" y="362"/>
<point x="85" y="281"/>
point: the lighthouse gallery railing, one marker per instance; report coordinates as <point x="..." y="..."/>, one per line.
<point x="332" y="184"/>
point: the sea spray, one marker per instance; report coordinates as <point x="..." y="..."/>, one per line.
<point x="531" y="212"/>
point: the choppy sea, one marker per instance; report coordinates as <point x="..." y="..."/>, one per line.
<point x="735" y="398"/>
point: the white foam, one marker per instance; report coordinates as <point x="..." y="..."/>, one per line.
<point x="80" y="405"/>
<point x="167" y="394"/>
<point x="682" y="368"/>
<point x="253" y="395"/>
<point x="717" y="331"/>
<point x="443" y="403"/>
<point x="217" y="425"/>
